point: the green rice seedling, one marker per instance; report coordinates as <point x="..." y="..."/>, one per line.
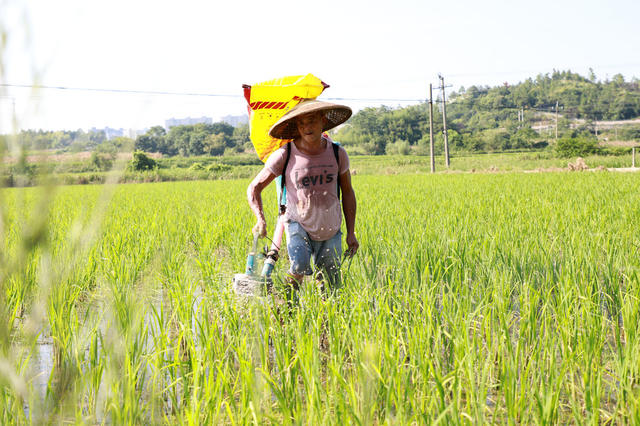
<point x="475" y="298"/>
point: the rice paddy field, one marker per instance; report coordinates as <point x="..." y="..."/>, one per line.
<point x="474" y="298"/>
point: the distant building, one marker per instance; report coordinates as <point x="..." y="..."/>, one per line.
<point x="109" y="133"/>
<point x="172" y="122"/>
<point x="235" y="120"/>
<point x="134" y="133"/>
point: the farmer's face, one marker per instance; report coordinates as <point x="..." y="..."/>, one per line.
<point x="310" y="125"/>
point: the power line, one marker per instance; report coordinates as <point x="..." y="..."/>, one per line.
<point x="376" y="99"/>
<point x="128" y="91"/>
<point x="168" y="93"/>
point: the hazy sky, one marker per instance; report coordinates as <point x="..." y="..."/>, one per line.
<point x="364" y="49"/>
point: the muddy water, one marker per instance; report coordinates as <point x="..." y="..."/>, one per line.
<point x="42" y="363"/>
<point x="43" y="368"/>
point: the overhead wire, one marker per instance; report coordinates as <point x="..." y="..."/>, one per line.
<point x="550" y="108"/>
<point x="172" y="93"/>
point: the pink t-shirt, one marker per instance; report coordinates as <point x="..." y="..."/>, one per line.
<point x="312" y="188"/>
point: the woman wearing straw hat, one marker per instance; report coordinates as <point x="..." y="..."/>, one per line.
<point x="312" y="180"/>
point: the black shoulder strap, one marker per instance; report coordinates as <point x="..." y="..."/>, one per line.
<point x="336" y="152"/>
<point x="283" y="199"/>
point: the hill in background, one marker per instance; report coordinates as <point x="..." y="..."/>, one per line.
<point x="522" y="116"/>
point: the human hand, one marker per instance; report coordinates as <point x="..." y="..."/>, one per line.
<point x="352" y="244"/>
<point x="260" y="228"/>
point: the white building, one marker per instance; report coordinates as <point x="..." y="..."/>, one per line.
<point x="172" y="122"/>
<point x="235" y="120"/>
<point x="109" y="132"/>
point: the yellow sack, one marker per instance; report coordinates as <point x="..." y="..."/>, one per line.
<point x="270" y="100"/>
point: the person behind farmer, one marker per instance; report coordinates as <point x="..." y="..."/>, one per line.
<point x="312" y="176"/>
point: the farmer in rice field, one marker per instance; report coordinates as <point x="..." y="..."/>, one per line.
<point x="316" y="171"/>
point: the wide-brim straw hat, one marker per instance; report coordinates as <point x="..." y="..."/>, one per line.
<point x="286" y="127"/>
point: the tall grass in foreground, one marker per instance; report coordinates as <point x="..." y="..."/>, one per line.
<point x="474" y="298"/>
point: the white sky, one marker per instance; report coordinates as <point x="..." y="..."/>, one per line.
<point x="364" y="49"/>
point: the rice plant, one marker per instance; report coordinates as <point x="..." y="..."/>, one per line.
<point x="507" y="298"/>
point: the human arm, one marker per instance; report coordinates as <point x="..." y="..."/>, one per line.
<point x="254" y="197"/>
<point x="349" y="209"/>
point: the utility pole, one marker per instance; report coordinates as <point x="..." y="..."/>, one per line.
<point x="444" y="122"/>
<point x="433" y="160"/>
<point x="556" y="121"/>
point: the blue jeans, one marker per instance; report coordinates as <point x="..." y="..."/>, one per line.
<point x="325" y="254"/>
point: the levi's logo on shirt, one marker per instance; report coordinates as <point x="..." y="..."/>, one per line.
<point x="313" y="179"/>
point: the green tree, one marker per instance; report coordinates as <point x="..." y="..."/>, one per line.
<point x="141" y="162"/>
<point x="102" y="161"/>
<point x="400" y="147"/>
<point x="576" y="146"/>
<point x="240" y="135"/>
<point x="524" y="137"/>
<point x="153" y="141"/>
<point x="215" y="144"/>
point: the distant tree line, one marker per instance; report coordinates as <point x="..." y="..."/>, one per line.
<point x="498" y="118"/>
<point x="197" y="139"/>
<point x="64" y="140"/>
<point x="187" y="140"/>
<point x="479" y="118"/>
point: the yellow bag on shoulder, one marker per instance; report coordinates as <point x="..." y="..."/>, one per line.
<point x="270" y="100"/>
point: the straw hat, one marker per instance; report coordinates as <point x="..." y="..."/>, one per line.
<point x="286" y="128"/>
